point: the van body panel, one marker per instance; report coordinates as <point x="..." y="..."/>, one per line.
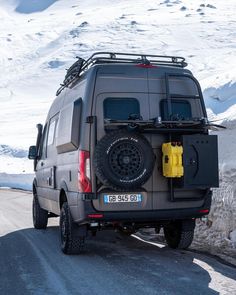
<point x="151" y="86"/>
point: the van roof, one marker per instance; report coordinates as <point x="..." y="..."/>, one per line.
<point x="102" y="58"/>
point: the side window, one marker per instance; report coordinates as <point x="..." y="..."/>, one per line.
<point x="51" y="132"/>
<point x="68" y="127"/>
<point x="42" y="146"/>
<point x="181" y="110"/>
<point x="120" y="108"/>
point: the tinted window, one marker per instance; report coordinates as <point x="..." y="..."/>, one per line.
<point x="42" y="146"/>
<point x="183" y="86"/>
<point x="181" y="110"/>
<point x="120" y="108"/>
<point x="51" y="132"/>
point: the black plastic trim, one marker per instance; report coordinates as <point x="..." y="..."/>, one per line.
<point x="89" y="196"/>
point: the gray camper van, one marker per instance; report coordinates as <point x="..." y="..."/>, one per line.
<point x="125" y="146"/>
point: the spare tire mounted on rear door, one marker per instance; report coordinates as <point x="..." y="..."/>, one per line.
<point x="123" y="160"/>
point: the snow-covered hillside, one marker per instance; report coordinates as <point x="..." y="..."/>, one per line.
<point x="41" y="38"/>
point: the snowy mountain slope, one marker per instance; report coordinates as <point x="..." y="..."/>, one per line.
<point x="40" y="39"/>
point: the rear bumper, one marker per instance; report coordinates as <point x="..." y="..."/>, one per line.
<point x="147" y="215"/>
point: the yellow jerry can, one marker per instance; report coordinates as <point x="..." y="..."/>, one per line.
<point x="172" y="159"/>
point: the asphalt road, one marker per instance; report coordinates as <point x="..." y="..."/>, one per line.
<point x="32" y="263"/>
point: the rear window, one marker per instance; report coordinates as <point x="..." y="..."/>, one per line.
<point x="183" y="86"/>
<point x="120" y="108"/>
<point x="181" y="110"/>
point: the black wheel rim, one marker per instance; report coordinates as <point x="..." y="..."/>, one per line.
<point x="125" y="160"/>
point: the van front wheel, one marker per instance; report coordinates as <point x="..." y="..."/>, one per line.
<point x="40" y="216"/>
<point x="179" y="234"/>
<point x="72" y="237"/>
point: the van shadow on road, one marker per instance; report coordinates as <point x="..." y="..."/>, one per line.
<point x="32" y="263"/>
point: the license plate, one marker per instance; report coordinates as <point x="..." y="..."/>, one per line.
<point x="123" y="198"/>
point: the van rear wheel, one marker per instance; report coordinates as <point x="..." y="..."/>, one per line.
<point x="40" y="216"/>
<point x="72" y="239"/>
<point x="179" y="234"/>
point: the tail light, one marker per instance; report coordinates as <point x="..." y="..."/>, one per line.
<point x="205" y="211"/>
<point x="84" y="177"/>
<point x="95" y="215"/>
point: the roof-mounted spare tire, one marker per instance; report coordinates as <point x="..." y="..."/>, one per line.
<point x="123" y="160"/>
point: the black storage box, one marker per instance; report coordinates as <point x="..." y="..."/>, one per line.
<point x="200" y="161"/>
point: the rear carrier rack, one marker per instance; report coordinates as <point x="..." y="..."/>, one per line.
<point x="158" y="126"/>
<point x="148" y="60"/>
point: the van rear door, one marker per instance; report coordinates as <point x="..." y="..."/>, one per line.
<point x="186" y="105"/>
<point x="120" y="92"/>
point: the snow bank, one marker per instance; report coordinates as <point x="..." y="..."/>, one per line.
<point x="18" y="181"/>
<point x="16" y="171"/>
<point x="220" y="95"/>
<point x="217" y="233"/>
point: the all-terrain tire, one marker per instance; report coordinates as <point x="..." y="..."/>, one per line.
<point x="123" y="160"/>
<point x="40" y="216"/>
<point x="71" y="241"/>
<point x="179" y="234"/>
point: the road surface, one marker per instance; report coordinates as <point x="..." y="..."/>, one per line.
<point x="32" y="263"/>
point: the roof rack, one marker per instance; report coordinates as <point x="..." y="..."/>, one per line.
<point x="81" y="65"/>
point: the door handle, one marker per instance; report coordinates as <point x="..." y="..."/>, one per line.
<point x="42" y="163"/>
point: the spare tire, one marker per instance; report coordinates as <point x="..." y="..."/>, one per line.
<point x="123" y="160"/>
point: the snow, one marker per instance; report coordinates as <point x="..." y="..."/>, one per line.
<point x="40" y="39"/>
<point x="216" y="234"/>
<point x="20" y="181"/>
<point x="19" y="169"/>
<point x="233" y="237"/>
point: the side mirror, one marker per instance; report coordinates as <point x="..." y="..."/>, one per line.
<point x="32" y="152"/>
